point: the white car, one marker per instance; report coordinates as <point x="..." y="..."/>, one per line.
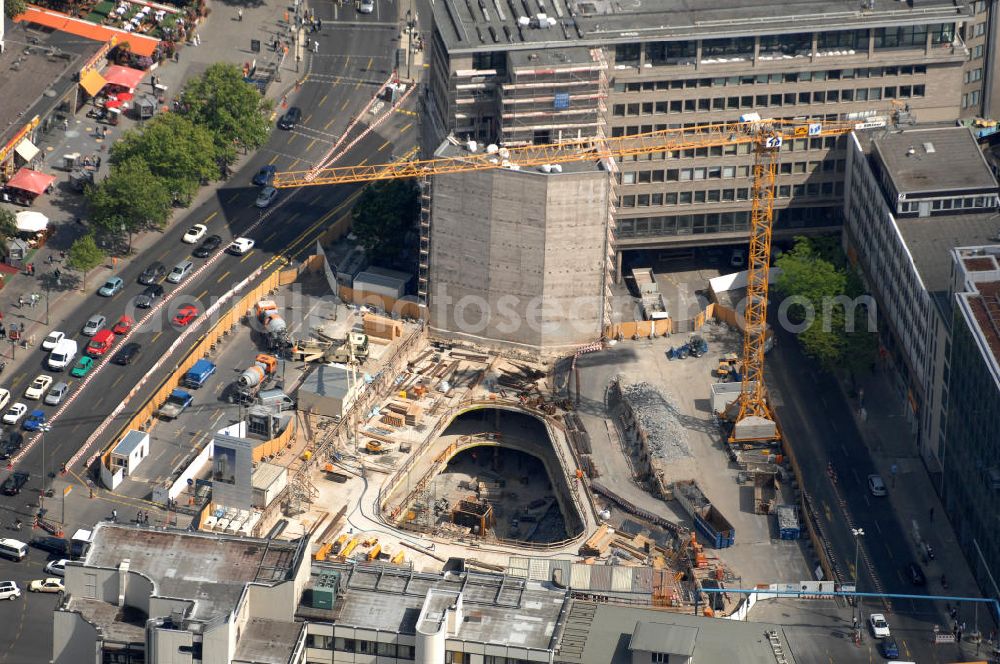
<point x="14" y="413"/>
<point x="9" y="590"/>
<point x="52" y="585"/>
<point x="55" y="336"/>
<point x="879" y="625"/>
<point x="876" y="485"/>
<point x="56" y="567"/>
<point x="4" y="398"/>
<point x="195" y="233"/>
<point x="366" y="6"/>
<point x="38" y="387"/>
<point x="240" y="246"/>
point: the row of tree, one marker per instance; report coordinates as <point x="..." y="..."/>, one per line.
<point x="163" y="163"/>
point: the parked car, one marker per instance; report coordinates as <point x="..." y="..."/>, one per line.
<point x="111" y="287"/>
<point x="916" y="574"/>
<point x="195" y="233"/>
<point x="14" y="413"/>
<point x="53" y="338"/>
<point x="37" y="387"/>
<point x="185" y="315"/>
<point x="50" y="544"/>
<point x="265" y="176"/>
<point x="93" y="325"/>
<point x="10" y="446"/>
<point x="148" y="297"/>
<point x="738" y="258"/>
<point x="876" y="486"/>
<point x="366" y="6"/>
<point x="889" y="648"/>
<point x="52" y="585"/>
<point x="56" y="567"/>
<point x="879" y="626"/>
<point x="13" y="484"/>
<point x="291" y="118"/>
<point x="123" y="325"/>
<point x="240" y="246"/>
<point x="35" y="420"/>
<point x="82" y="367"/>
<point x="56" y="394"/>
<point x="153" y="273"/>
<point x="266" y="197"/>
<point x="127" y="353"/>
<point x="9" y="590"/>
<point x="211" y="243"/>
<point x="4" y="398"/>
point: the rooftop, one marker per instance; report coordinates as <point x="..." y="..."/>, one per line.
<point x="328" y="380"/>
<point x="934" y="160"/>
<point x="664" y="637"/>
<point x="210" y="570"/>
<point x="601" y="634"/>
<point x="467" y="25"/>
<point x="265" y="641"/>
<point x="497" y="609"/>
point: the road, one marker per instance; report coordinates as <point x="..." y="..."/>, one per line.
<point x="353" y="58"/>
<point x="821" y="428"/>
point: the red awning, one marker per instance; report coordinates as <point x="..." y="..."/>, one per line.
<point x="29" y="180"/>
<point x="138" y="44"/>
<point x="126" y="77"/>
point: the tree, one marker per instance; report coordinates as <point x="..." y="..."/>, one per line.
<point x="817" y="276"/>
<point x="85" y="255"/>
<point x="383" y="215"/>
<point x="8" y="225"/>
<point x="14" y="8"/>
<point x="131" y="196"/>
<point x="233" y="110"/>
<point x="176" y="150"/>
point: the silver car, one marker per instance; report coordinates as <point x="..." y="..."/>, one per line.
<point x="94" y="325"/>
<point x="56" y="394"/>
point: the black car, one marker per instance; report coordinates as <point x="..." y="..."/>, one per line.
<point x="916" y="574"/>
<point x="13" y="484"/>
<point x="291" y="118"/>
<point x="146" y="298"/>
<point x="127" y="353"/>
<point x="153" y="273"/>
<point x="11" y="444"/>
<point x="54" y="545"/>
<point x="211" y="243"/>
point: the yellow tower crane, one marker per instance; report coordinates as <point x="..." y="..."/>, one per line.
<point x="766" y="137"/>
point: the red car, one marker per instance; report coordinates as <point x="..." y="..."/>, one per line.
<point x="123" y="325"/>
<point x="100" y="343"/>
<point x="185" y="315"/>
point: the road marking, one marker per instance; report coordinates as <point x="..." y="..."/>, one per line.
<point x="292" y="166"/>
<point x="322" y="100"/>
<point x="210" y="217"/>
<point x="311" y="143"/>
<point x="155" y="337"/>
<point x="273" y="159"/>
<point x="232" y="198"/>
<point x="17" y="379"/>
<point x="268" y="238"/>
<point x="201" y="294"/>
<point x="118" y="380"/>
<point x="316" y="200"/>
<point x="249" y="254"/>
<point x="384" y="145"/>
<point x="216" y="420"/>
<point x="219" y="280"/>
<point x="406" y="127"/>
<point x="369" y="65"/>
<point x="347" y="63"/>
<point x="406" y="112"/>
<point x="857" y="478"/>
<point x="344" y="105"/>
<point x="174" y="460"/>
<point x="306" y="119"/>
<point x="363" y="162"/>
<point x="878" y="528"/>
<point x="291" y="137"/>
<point x="329" y="122"/>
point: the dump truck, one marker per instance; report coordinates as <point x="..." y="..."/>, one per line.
<point x="175" y="404"/>
<point x="198" y="374"/>
<point x="254" y="378"/>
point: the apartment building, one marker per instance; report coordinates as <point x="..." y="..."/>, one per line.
<point x="533" y="71"/>
<point x="911" y="197"/>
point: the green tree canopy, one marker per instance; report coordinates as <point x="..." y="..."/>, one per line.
<point x="383" y="215"/>
<point x="837" y="335"/>
<point x="14" y="8"/>
<point x="234" y="110"/>
<point x="176" y="150"/>
<point x="8" y="225"/>
<point x="84" y="255"/>
<point x="131" y="196"/>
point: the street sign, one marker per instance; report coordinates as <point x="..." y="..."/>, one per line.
<point x="944" y="637"/>
<point x="67" y="490"/>
<point x="255" y="45"/>
<point x="561" y="101"/>
<point x="815" y="129"/>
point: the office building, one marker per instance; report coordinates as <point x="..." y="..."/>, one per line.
<point x="912" y="196"/>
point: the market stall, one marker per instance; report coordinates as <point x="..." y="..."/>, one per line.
<point x="26" y="186"/>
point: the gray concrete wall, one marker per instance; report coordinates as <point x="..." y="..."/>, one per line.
<point x="517" y="257"/>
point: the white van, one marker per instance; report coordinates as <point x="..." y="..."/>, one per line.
<point x="180" y="271"/>
<point x="13" y="549"/>
<point x="63" y="354"/>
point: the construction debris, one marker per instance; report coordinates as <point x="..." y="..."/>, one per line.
<point x="657" y="418"/>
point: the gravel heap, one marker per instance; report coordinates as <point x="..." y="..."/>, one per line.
<point x="658" y="416"/>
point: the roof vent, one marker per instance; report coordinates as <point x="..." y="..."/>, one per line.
<point x="911" y="151"/>
<point x="929" y="148"/>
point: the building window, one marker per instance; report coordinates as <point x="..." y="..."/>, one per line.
<point x="666" y="53"/>
<point x="344" y="645"/>
<point x="942" y="33"/>
<point x="727" y="48"/>
<point x="903" y="36"/>
<point x="772" y="45"/>
<point x="627" y="54"/>
<point x="386" y="649"/>
<point x="321" y="641"/>
<point x="843" y="39"/>
<point x="660" y="658"/>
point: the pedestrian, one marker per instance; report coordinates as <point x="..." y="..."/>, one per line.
<point x="319" y="24"/>
<point x="65" y="125"/>
<point x="98" y="161"/>
<point x="147" y="518"/>
<point x="315" y="46"/>
<point x="62" y="255"/>
<point x="114" y="515"/>
<point x="239" y="14"/>
<point x="932" y="515"/>
<point x="3" y="331"/>
<point x="138" y="516"/>
<point x="20" y="301"/>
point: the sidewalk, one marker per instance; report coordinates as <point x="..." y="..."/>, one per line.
<point x="222" y="38"/>
<point x="914" y="498"/>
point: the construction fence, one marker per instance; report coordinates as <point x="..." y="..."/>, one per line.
<point x="643" y="329"/>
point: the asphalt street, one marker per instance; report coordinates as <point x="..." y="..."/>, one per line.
<point x="353" y="58"/>
<point x="821" y="428"/>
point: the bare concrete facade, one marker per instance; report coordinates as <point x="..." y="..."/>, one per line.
<point x="519" y="259"/>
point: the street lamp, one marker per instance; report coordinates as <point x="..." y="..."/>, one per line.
<point x="42" y="429"/>
<point x="858" y="534"/>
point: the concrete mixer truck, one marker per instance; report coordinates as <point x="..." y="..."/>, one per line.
<point x="255" y="378"/>
<point x="272" y="326"/>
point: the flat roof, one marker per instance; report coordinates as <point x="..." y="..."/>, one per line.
<point x="600" y="634"/>
<point x="943" y="159"/>
<point x="664" y="637"/>
<point x="210" y="570"/>
<point x="498" y="609"/>
<point x="328" y="380"/>
<point x="130" y="442"/>
<point x="265" y="641"/>
<point x="931" y="239"/>
<point x="493" y="24"/>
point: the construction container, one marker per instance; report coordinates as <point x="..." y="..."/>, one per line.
<point x="708" y="521"/>
<point x="268" y="481"/>
<point x="788" y="522"/>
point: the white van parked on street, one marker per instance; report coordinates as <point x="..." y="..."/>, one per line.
<point x="63" y="354"/>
